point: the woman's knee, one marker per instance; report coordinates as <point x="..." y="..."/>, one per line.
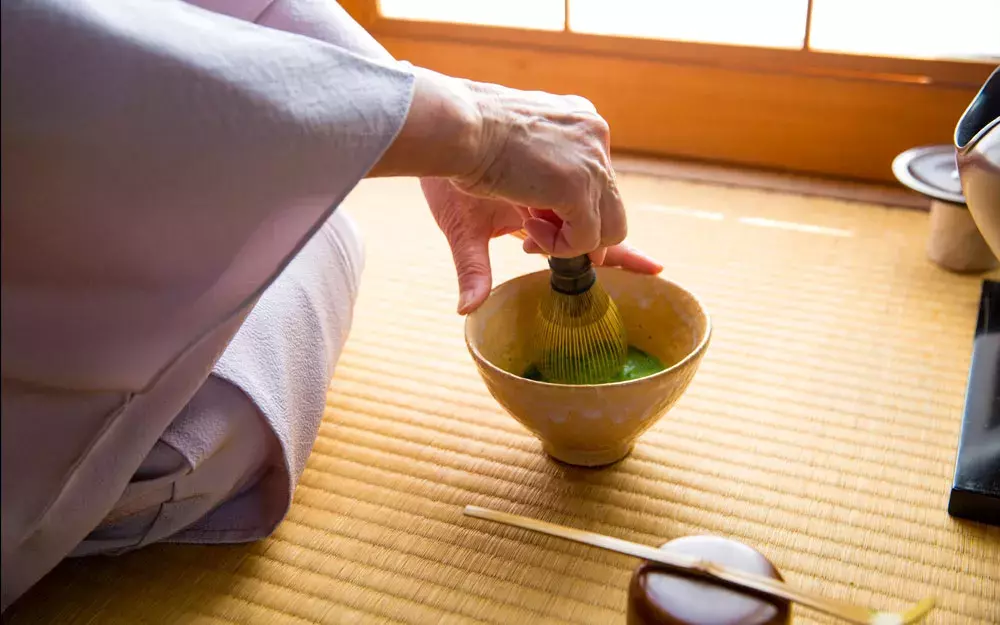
<point x="346" y="237"/>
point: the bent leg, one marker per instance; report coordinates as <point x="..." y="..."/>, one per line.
<point x="225" y="470"/>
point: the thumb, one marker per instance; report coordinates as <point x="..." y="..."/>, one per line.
<point x="475" y="277"/>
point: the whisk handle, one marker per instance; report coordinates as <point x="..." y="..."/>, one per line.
<point x="572" y="276"/>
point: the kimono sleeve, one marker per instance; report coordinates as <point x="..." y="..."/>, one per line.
<point x="162" y="163"/>
<point x="172" y="159"/>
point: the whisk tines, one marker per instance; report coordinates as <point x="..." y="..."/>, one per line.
<point x="580" y="335"/>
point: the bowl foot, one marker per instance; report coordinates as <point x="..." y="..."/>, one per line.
<point x="588" y="457"/>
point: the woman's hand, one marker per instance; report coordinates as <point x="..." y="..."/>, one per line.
<point x="469" y="222"/>
<point x="529" y="148"/>
<point x="549" y="152"/>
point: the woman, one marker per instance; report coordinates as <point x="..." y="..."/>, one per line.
<point x="177" y="285"/>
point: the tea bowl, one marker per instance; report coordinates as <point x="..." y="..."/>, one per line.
<point x="590" y="425"/>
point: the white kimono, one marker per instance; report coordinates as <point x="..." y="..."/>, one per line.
<point x="175" y="291"/>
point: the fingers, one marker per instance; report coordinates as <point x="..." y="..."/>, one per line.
<point x="614" y="225"/>
<point x="621" y="256"/>
<point x="547" y="215"/>
<point x="597" y="217"/>
<point x="554" y="235"/>
<point x="522" y="210"/>
<point x="544" y="234"/>
<point x="475" y="276"/>
<point x="630" y="259"/>
<point x="583" y="231"/>
<point x="599" y="255"/>
<point x="579" y="234"/>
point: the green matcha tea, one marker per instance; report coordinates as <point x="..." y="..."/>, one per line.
<point x="638" y="364"/>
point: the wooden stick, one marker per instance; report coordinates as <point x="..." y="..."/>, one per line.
<point x="682" y="562"/>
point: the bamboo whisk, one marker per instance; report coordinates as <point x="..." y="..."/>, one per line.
<point x="579" y="332"/>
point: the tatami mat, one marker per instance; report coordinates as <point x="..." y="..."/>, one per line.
<point x="821" y="429"/>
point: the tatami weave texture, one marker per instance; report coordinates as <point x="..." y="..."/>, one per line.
<point x="821" y="429"/>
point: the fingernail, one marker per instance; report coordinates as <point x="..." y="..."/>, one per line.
<point x="465" y="300"/>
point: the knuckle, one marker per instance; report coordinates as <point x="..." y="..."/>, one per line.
<point x="597" y="128"/>
<point x="602" y="127"/>
<point x="583" y="103"/>
<point x="611" y="184"/>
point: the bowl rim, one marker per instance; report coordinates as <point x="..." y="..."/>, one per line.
<point x="694" y="353"/>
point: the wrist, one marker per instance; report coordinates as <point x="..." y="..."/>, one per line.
<point x="442" y="135"/>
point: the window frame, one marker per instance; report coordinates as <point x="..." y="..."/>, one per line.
<point x="938" y="88"/>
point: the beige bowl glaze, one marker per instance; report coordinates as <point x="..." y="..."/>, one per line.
<point x="590" y="425"/>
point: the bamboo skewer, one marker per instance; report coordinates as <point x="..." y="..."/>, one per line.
<point x="846" y="611"/>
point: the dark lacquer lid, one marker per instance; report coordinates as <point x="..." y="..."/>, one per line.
<point x="661" y="597"/>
